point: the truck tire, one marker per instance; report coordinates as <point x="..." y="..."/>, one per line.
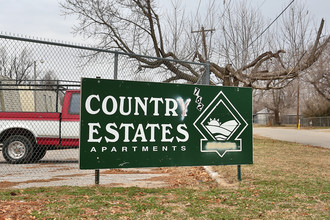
<point x="38" y="153"/>
<point x="17" y="149"/>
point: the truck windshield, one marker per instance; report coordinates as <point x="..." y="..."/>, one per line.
<point x="74" y="108"/>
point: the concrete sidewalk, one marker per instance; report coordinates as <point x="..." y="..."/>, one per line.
<point x="314" y="137"/>
<point x="69" y="175"/>
<point x="61" y="168"/>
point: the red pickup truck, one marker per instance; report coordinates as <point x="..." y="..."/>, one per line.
<point x="26" y="136"/>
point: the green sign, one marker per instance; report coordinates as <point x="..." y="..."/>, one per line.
<point x="127" y="124"/>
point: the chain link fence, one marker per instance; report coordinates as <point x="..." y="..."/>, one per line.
<point x="269" y="119"/>
<point x="40" y="99"/>
<point x="315" y="122"/>
<point x="289" y="119"/>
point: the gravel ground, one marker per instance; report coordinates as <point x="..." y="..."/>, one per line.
<point x="60" y="168"/>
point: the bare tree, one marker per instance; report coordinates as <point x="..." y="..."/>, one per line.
<point x="49" y="80"/>
<point x="130" y="26"/>
<point x="135" y="27"/>
<point x="316" y="106"/>
<point x="3" y="61"/>
<point x="18" y="67"/>
<point x="319" y="75"/>
<point x="277" y="100"/>
<point x="240" y="30"/>
<point x="317" y="80"/>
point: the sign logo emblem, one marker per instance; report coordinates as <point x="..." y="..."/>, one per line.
<point x="221" y="125"/>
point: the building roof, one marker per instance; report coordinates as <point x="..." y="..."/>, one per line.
<point x="265" y="111"/>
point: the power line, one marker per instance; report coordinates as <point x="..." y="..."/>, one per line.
<point x="266" y="27"/>
<point x="271" y="23"/>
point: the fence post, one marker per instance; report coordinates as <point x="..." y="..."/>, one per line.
<point x="205" y="79"/>
<point x="97" y="172"/>
<point x="57" y="90"/>
<point x="97" y="177"/>
<point x="239" y="173"/>
<point x="115" y="71"/>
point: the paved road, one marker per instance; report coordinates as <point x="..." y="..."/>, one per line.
<point x="314" y="137"/>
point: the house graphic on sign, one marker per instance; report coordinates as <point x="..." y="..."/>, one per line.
<point x="221" y="131"/>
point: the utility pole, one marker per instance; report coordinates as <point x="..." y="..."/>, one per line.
<point x="298" y="113"/>
<point x="203" y="39"/>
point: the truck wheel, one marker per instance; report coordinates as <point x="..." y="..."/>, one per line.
<point x="17" y="149"/>
<point x="38" y="154"/>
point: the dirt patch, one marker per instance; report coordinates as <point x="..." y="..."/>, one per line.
<point x="131" y="171"/>
<point x="185" y="176"/>
<point x="21" y="209"/>
<point x="7" y="184"/>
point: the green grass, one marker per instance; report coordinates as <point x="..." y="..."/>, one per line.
<point x="286" y="181"/>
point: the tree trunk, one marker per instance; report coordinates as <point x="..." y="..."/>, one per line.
<point x="226" y="80"/>
<point x="277" y="117"/>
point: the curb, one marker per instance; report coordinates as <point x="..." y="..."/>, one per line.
<point x="219" y="179"/>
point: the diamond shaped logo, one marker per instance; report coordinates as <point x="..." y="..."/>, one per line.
<point x="221" y="125"/>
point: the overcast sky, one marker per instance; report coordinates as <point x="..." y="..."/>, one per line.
<point x="43" y="19"/>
